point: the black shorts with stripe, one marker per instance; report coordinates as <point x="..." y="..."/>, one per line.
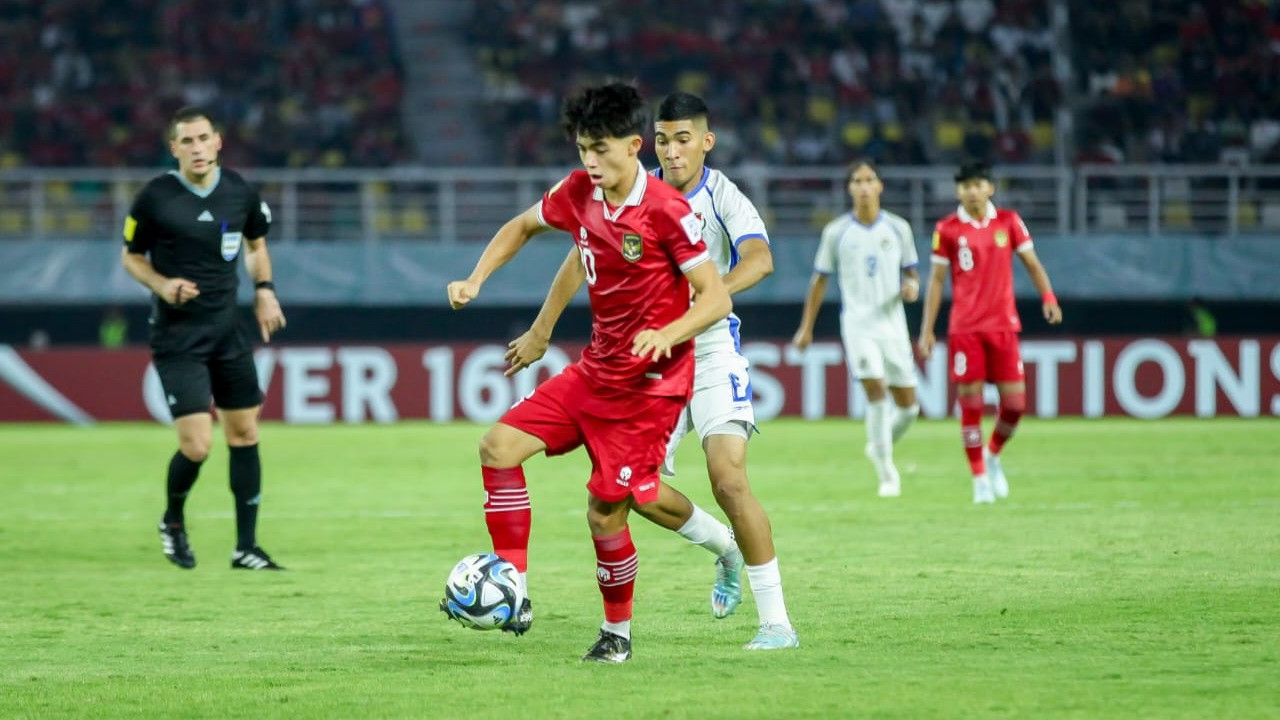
<point x="203" y="362"/>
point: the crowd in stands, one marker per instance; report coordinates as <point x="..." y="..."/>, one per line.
<point x="802" y="82"/>
<point x="294" y="82"/>
<point x="1178" y="81"/>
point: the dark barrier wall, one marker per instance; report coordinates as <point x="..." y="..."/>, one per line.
<point x="79" y="325"/>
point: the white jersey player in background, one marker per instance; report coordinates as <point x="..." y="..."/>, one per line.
<point x="874" y="254"/>
<point x="720" y="411"/>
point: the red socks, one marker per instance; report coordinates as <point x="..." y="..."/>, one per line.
<point x="971" y="407"/>
<point x="616" y="566"/>
<point x="507" y="513"/>
<point x="1012" y="405"/>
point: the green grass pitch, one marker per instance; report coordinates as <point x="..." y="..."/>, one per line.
<point x="1134" y="573"/>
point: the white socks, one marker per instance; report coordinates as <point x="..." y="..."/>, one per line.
<point x="703" y="529"/>
<point x="902" y="419"/>
<point x="619" y="628"/>
<point x="879" y="434"/>
<point x="766" y="588"/>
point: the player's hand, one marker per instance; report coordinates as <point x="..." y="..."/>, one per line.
<point x="651" y="344"/>
<point x="525" y="351"/>
<point x="924" y="345"/>
<point x="1053" y="313"/>
<point x="462" y="292"/>
<point x="266" y="308"/>
<point x="177" y="291"/>
<point x="910" y="290"/>
<point x="802" y="339"/>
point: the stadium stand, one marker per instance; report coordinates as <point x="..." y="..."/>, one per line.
<point x="298" y="82"/>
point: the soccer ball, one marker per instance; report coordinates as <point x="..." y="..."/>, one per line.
<point x="483" y="592"/>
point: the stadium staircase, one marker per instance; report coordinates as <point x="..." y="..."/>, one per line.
<point x="442" y="85"/>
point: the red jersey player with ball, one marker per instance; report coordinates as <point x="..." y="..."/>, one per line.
<point x="977" y="244"/>
<point x="641" y="250"/>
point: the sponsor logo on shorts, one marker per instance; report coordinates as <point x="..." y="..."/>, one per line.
<point x="624" y="476"/>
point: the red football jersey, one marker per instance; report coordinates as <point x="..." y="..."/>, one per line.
<point x="635" y="257"/>
<point x="980" y="253"/>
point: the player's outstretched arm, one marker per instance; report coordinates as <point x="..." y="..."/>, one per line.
<point x="501" y="248"/>
<point x="755" y="263"/>
<point x="812" y="306"/>
<point x="266" y="306"/>
<point x="1040" y="278"/>
<point x="174" y="291"/>
<point x="532" y="345"/>
<point x="711" y="303"/>
<point x="932" y="304"/>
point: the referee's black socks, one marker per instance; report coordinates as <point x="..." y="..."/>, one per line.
<point x="246" y="486"/>
<point x="182" y="475"/>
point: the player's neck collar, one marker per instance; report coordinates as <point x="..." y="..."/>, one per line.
<point x="199" y="191"/>
<point x="980" y="222"/>
<point x="633" y="197"/>
<point x="854" y="214"/>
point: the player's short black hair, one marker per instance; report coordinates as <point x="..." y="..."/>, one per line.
<point x="682" y="106"/>
<point x="187" y="114"/>
<point x="859" y="164"/>
<point x="973" y="170"/>
<point x="614" y="110"/>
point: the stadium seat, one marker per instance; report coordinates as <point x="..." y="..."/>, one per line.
<point x="414" y="221"/>
<point x="13" y="222"/>
<point x="856" y="134"/>
<point x="1176" y="214"/>
<point x="1112" y="216"/>
<point x="693" y="81"/>
<point x="948" y="135"/>
<point x="822" y="110"/>
<point x="1042" y="136"/>
<point x="1246" y="214"/>
<point x="892" y="132"/>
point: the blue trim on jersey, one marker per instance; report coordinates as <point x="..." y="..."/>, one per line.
<point x="823" y="273"/>
<point x="734" y="324"/>
<point x="879" y="217"/>
<point x="198" y="192"/>
<point x="744" y="238"/>
<point x="912" y="266"/>
<point x="702" y="182"/>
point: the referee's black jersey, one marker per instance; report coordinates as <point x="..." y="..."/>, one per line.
<point x="198" y="235"/>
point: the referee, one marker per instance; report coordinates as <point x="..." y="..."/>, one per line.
<point x="182" y="239"/>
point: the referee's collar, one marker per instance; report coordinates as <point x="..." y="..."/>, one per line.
<point x="200" y="192"/>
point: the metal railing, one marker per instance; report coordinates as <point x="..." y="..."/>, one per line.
<point x="469" y="204"/>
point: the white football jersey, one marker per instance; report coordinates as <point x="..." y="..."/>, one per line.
<point x="728" y="218"/>
<point x="869" y="260"/>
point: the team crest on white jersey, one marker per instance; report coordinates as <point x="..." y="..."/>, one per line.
<point x="632" y="247"/>
<point x="692" y="224"/>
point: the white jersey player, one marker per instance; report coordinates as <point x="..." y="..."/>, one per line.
<point x="874" y="254"/>
<point x="720" y="410"/>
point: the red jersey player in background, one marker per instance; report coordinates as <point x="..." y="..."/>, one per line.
<point x="977" y="244"/>
<point x="641" y="249"/>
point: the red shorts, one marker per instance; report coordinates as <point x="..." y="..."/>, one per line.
<point x="990" y="356"/>
<point x="625" y="432"/>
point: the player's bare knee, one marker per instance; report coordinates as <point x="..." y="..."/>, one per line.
<point x="195" y="449"/>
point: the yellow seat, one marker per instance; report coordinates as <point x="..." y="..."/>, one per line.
<point x="819" y="217"/>
<point x="822" y="110"/>
<point x="693" y="81"/>
<point x="1042" y="135"/>
<point x="892" y="132"/>
<point x="13" y="222"/>
<point x="948" y="135"/>
<point x="1246" y="214"/>
<point x="856" y="134"/>
<point x="77" y="220"/>
<point x="414" y="220"/>
<point x="383" y="220"/>
<point x="1176" y="215"/>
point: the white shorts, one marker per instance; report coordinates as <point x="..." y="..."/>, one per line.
<point x="721" y="403"/>
<point x="879" y="357"/>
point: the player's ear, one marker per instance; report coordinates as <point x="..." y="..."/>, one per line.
<point x="708" y="141"/>
<point x="634" y="144"/>
<point x="217" y="142"/>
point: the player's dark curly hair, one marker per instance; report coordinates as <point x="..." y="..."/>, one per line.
<point x="682" y="106"/>
<point x="615" y="110"/>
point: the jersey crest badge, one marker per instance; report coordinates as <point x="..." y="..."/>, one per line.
<point x="231" y="245"/>
<point x="1002" y="238"/>
<point x="632" y="247"/>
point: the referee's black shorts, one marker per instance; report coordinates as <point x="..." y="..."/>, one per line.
<point x="202" y="361"/>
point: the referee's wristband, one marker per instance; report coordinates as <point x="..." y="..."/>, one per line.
<point x="1049" y="298"/>
<point x="265" y="285"/>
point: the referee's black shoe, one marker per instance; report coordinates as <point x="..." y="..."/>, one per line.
<point x="255" y="559"/>
<point x="173" y="538"/>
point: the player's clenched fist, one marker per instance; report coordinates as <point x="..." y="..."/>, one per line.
<point x="924" y="345"/>
<point x="462" y="292"/>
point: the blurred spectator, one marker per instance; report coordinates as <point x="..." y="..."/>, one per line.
<point x="92" y="82"/>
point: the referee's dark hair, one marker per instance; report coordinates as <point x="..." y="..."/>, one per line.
<point x="187" y="114"/>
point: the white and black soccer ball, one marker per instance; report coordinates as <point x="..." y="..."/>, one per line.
<point x="483" y="592"/>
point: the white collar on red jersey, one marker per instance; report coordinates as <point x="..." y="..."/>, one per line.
<point x="980" y="222"/>
<point x="637" y="192"/>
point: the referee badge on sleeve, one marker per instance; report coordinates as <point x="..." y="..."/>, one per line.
<point x="231" y="245"/>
